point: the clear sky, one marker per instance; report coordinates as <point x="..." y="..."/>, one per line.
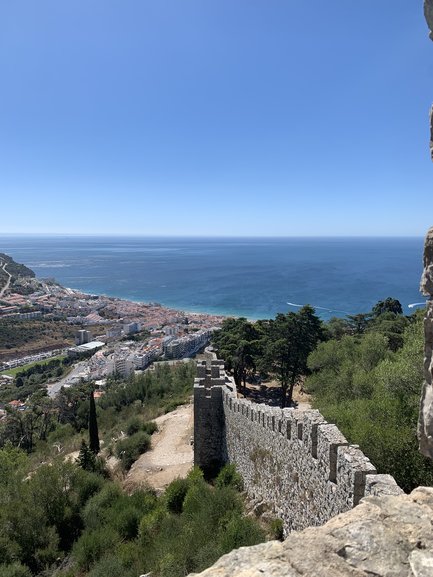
<point x="215" y="117"/>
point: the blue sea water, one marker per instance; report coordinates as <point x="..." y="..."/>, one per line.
<point x="252" y="277"/>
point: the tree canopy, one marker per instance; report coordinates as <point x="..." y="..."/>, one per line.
<point x="238" y="343"/>
<point x="279" y="347"/>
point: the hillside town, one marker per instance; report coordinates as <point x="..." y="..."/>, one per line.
<point x="112" y="336"/>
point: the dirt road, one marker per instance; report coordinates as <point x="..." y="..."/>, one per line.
<point x="8" y="282"/>
<point x="171" y="454"/>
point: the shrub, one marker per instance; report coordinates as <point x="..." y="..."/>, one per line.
<point x="109" y="566"/>
<point x="175" y="495"/>
<point x="150" y="525"/>
<point x="276" y="529"/>
<point x="96" y="510"/>
<point x="128" y="450"/>
<point x="14" y="570"/>
<point x="241" y="532"/>
<point x="126" y="522"/>
<point x="196" y="475"/>
<point x="61" y="433"/>
<point x="133" y="425"/>
<point x="92" y="545"/>
<point x="150" y="427"/>
<point x="144" y="501"/>
<point x="229" y="477"/>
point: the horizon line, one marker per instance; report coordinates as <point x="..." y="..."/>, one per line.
<point x="198" y="236"/>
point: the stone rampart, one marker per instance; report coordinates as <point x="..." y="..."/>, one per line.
<point x="296" y="464"/>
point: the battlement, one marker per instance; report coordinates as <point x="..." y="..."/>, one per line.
<point x="293" y="461"/>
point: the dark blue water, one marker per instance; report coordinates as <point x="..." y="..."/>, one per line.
<point x="253" y="277"/>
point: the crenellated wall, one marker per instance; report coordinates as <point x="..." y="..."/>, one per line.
<point x="297" y="465"/>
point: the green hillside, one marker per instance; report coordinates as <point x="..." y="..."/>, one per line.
<point x="14" y="268"/>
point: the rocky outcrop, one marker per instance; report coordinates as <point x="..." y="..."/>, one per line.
<point x="425" y="423"/>
<point x="428" y="11"/>
<point x="383" y="536"/>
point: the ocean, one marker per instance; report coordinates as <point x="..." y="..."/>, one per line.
<point x="251" y="277"/>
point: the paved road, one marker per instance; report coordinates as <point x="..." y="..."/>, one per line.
<point x="70" y="379"/>
<point x="8" y="282"/>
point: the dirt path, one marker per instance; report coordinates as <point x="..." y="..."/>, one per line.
<point x="8" y="282"/>
<point x="171" y="454"/>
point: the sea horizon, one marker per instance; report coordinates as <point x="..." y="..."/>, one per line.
<point x="201" y="236"/>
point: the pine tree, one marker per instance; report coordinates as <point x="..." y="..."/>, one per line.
<point x="93" y="427"/>
<point x="86" y="458"/>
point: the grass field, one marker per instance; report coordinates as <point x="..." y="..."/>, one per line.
<point x="13" y="372"/>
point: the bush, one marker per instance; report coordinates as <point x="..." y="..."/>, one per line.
<point x="175" y="495"/>
<point x="14" y="570"/>
<point x="276" y="529"/>
<point x="241" y="532"/>
<point x="150" y="427"/>
<point x="92" y="545"/>
<point x="150" y="525"/>
<point x="96" y="510"/>
<point x="133" y="425"/>
<point x="196" y="475"/>
<point x="229" y="477"/>
<point x="61" y="433"/>
<point x="109" y="566"/>
<point x="128" y="450"/>
<point x="126" y="522"/>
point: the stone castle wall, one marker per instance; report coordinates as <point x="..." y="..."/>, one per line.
<point x="297" y="465"/>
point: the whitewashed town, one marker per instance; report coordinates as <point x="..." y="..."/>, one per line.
<point x="109" y="335"/>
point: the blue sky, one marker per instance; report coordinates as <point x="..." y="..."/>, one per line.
<point x="215" y="117"/>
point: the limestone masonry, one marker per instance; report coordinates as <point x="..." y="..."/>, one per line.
<point x="298" y="466"/>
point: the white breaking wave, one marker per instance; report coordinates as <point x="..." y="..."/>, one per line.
<point x="49" y="265"/>
<point x="323" y="308"/>
<point x="410" y="306"/>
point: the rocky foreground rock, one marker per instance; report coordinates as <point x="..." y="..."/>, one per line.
<point x="382" y="537"/>
<point x="428" y="11"/>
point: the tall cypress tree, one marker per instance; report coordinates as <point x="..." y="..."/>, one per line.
<point x="93" y="426"/>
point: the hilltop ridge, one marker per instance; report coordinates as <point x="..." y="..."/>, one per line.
<point x="15" y="269"/>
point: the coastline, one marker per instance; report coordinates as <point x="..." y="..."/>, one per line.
<point x="162" y="306"/>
